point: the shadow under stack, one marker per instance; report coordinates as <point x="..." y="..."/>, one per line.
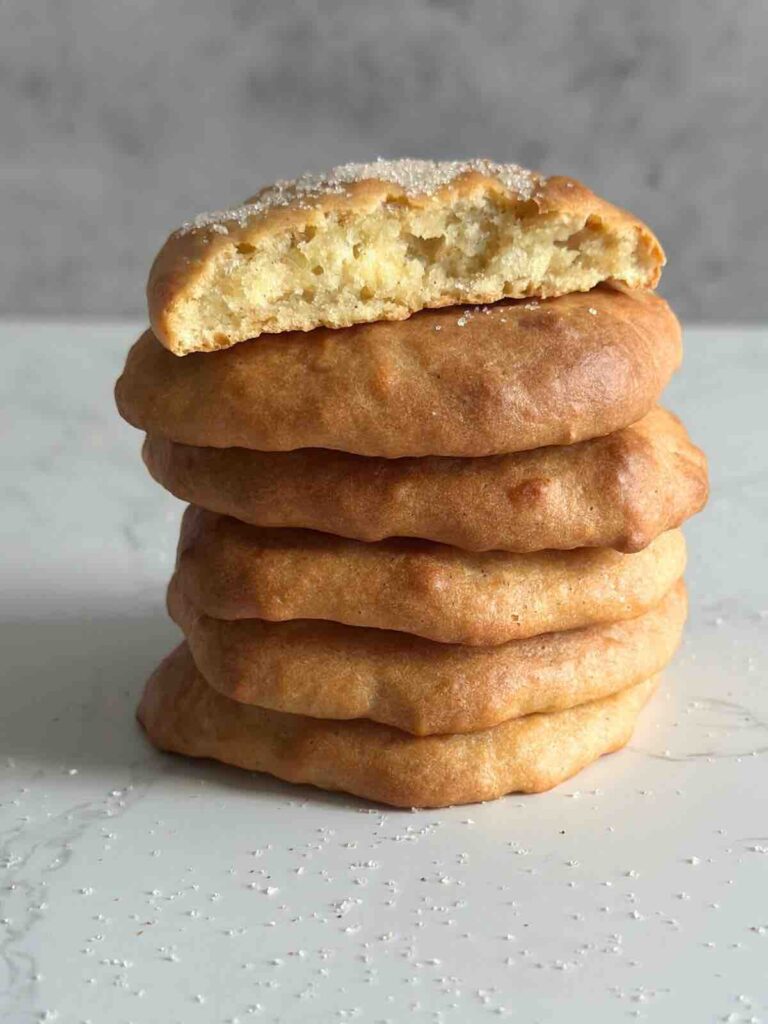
<point x="432" y="553"/>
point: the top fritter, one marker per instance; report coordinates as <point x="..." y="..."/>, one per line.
<point x="380" y="241"/>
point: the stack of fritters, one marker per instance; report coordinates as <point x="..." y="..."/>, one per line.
<point x="432" y="553"/>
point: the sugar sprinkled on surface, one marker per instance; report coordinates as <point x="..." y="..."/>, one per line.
<point x="414" y="177"/>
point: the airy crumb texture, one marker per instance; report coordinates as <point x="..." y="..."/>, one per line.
<point x="180" y="712"/>
<point x="380" y="241"/>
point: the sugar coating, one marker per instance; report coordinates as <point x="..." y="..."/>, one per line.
<point x="415" y="177"/>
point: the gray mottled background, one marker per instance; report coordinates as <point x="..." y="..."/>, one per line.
<point x="120" y="119"/>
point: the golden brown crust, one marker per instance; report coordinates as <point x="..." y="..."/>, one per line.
<point x="327" y="670"/>
<point x="569" y="222"/>
<point x="181" y="713"/>
<point x="617" y="491"/>
<point x="511" y="377"/>
<point x="231" y="570"/>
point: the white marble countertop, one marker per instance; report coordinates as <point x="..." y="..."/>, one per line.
<point x="139" y="887"/>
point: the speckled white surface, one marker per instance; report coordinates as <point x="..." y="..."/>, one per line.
<point x="137" y="887"/>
